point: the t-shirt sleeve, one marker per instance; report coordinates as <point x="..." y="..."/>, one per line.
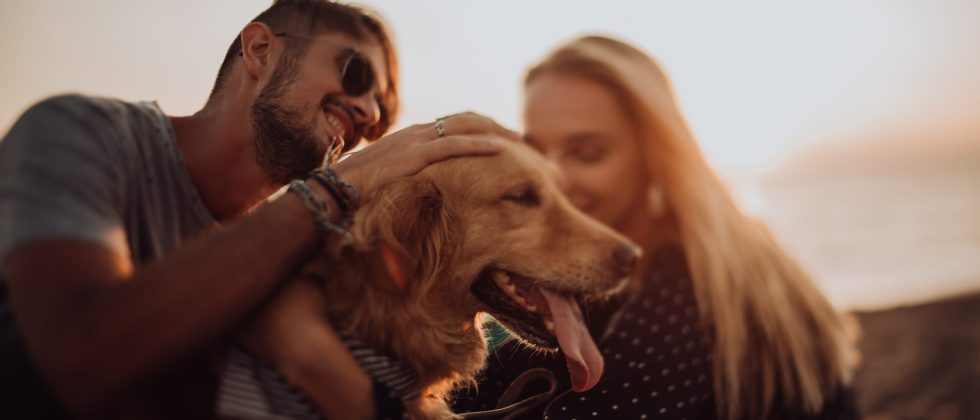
<point x="60" y="177"/>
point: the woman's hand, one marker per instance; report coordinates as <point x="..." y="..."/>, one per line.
<point x="410" y="150"/>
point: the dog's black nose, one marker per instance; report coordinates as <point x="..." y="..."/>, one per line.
<point x="625" y="257"/>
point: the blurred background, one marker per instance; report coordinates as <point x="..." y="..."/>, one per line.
<point x="851" y="127"/>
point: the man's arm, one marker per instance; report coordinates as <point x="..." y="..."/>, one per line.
<point x="94" y="323"/>
<point x="292" y="332"/>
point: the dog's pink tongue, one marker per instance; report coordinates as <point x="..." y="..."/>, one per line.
<point x="584" y="361"/>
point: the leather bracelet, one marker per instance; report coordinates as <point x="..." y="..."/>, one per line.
<point x="342" y="202"/>
<point x="350" y="198"/>
<point x="321" y="211"/>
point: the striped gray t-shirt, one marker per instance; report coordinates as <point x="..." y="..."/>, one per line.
<point x="99" y="170"/>
<point x="91" y="169"/>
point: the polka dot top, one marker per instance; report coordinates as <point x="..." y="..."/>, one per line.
<point x="657" y="359"/>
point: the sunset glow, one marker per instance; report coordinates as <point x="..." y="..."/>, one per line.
<point x="762" y="83"/>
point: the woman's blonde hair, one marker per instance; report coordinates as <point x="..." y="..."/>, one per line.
<point x="774" y="335"/>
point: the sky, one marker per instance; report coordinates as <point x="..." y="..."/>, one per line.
<point x="762" y="83"/>
<point x="757" y="79"/>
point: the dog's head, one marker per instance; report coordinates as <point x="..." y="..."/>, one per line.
<point x="495" y="234"/>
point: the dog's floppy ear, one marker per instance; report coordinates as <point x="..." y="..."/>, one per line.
<point x="410" y="218"/>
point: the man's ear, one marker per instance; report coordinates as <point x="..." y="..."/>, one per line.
<point x="256" y="41"/>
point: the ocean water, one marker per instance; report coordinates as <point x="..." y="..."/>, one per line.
<point x="877" y="238"/>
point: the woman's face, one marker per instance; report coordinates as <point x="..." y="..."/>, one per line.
<point x="580" y="126"/>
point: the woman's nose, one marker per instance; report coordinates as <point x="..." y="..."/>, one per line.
<point x="564" y="184"/>
<point x="560" y="178"/>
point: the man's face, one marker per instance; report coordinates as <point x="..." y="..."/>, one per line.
<point x="303" y="113"/>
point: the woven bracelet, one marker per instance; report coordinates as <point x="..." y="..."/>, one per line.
<point x="347" y="213"/>
<point x="320" y="209"/>
<point x="346" y="195"/>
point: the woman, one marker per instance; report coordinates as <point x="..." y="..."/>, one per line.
<point x="719" y="321"/>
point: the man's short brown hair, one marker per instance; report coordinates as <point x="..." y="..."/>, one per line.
<point x="314" y="17"/>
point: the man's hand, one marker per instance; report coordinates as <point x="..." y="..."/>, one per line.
<point x="410" y="150"/>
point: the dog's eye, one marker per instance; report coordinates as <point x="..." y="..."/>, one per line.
<point x="527" y="197"/>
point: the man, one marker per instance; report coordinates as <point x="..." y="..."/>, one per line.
<point x="131" y="241"/>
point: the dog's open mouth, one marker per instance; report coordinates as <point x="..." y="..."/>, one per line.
<point x="543" y="317"/>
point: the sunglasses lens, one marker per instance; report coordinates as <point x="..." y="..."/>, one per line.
<point x="358" y="76"/>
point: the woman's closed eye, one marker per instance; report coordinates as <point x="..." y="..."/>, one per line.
<point x="588" y="153"/>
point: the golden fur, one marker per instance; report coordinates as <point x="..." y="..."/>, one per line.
<point x="450" y="224"/>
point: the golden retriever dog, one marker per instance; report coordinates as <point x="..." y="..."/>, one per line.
<point x="489" y="234"/>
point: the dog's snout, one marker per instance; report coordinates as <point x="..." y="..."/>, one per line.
<point x="625" y="256"/>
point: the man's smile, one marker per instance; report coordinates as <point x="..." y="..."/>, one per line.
<point x="339" y="123"/>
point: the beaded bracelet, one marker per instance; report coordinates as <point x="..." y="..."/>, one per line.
<point x="340" y="199"/>
<point x="320" y="209"/>
<point x="347" y="197"/>
<point x="329" y="177"/>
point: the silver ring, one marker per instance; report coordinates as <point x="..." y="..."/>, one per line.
<point x="440" y="128"/>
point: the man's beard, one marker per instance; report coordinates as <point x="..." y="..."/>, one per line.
<point x="286" y="148"/>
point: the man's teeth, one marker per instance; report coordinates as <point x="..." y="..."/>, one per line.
<point x="503" y="281"/>
<point x="550" y="325"/>
<point x="336" y="124"/>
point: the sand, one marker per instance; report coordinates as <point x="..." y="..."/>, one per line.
<point x="921" y="362"/>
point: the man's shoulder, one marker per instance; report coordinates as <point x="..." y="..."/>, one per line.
<point x="79" y="121"/>
<point x="89" y="106"/>
<point x="78" y="100"/>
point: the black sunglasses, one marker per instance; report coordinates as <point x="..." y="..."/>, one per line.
<point x="357" y="74"/>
